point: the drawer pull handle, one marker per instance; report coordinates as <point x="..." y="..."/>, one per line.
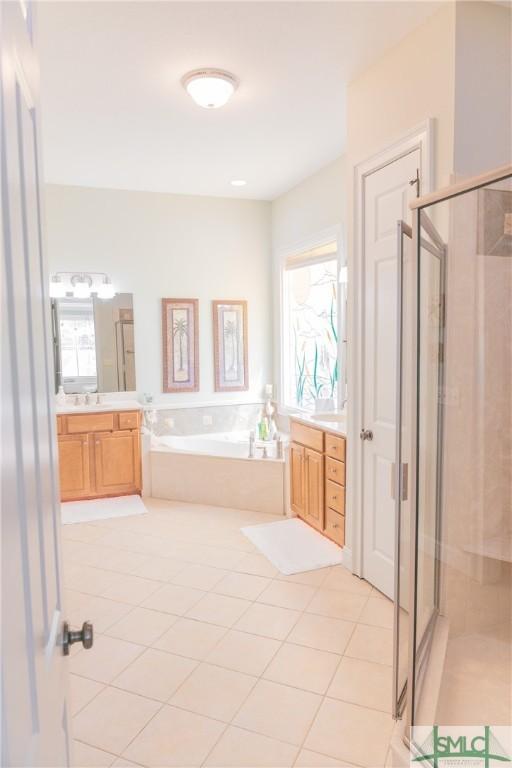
<point x="335" y="525"/>
<point x="335" y="497"/>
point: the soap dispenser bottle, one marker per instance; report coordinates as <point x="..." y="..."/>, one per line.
<point x="61" y="396"/>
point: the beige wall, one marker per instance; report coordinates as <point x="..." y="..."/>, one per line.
<point x="412" y="82"/>
<point x="483" y="92"/>
<point x="312" y="209"/>
<point x="157" y="245"/>
<point x="314" y="205"/>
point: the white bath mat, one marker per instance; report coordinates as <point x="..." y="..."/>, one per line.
<point x="101" y="509"/>
<point x="293" y="546"/>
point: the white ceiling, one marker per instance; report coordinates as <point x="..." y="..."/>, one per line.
<point x="115" y="114"/>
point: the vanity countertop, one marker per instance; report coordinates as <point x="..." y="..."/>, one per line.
<point x="332" y="422"/>
<point x="113" y="405"/>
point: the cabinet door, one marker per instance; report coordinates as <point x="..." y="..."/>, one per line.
<point x="314" y="463"/>
<point x="75" y="479"/>
<point x="297" y="479"/>
<point x="117" y="462"/>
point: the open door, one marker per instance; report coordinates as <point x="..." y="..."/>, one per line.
<point x="34" y="674"/>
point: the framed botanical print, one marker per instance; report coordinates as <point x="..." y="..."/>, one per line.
<point x="180" y="330"/>
<point x="230" y="346"/>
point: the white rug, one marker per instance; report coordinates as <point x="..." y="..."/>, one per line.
<point x="101" y="509"/>
<point x="293" y="546"/>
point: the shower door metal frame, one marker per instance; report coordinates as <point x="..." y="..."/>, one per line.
<point x="419" y="651"/>
<point x="417" y="656"/>
<point x="399" y="690"/>
<point x="401" y="470"/>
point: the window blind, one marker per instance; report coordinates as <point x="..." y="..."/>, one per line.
<point x="313" y="256"/>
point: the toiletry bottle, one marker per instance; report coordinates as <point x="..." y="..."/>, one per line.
<point x="61" y="396"/>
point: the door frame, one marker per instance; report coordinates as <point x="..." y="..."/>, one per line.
<point x="420" y="137"/>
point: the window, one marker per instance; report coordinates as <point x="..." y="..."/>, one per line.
<point x="310" y="359"/>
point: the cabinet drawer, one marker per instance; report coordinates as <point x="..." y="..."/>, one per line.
<point x="60" y="425"/>
<point x="89" y="422"/>
<point x="335" y="470"/>
<point x="308" y="436"/>
<point x="335" y="446"/>
<point x="129" y="420"/>
<point x="335" y="496"/>
<point x="335" y="526"/>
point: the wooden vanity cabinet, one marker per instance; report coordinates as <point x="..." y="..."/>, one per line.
<point x="74" y="466"/>
<point x="314" y="476"/>
<point x="117" y="462"/>
<point x="298" y="479"/>
<point x="317" y="479"/>
<point x="98" y="457"/>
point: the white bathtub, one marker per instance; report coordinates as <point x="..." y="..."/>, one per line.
<point x="216" y="469"/>
<point x="233" y="445"/>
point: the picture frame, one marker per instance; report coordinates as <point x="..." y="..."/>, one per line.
<point x="230" y="349"/>
<point x="180" y="345"/>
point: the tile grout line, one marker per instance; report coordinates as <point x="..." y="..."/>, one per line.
<point x="232" y="628"/>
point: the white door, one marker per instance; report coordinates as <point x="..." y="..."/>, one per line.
<point x="34" y="674"/>
<point x="387" y="193"/>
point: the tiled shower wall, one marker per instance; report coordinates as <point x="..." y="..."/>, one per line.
<point x="476" y="590"/>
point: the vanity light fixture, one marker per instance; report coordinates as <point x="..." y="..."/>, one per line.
<point x="81" y="285"/>
<point x="238" y="183"/>
<point x="210" y="88"/>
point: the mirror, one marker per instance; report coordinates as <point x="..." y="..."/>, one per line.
<point x="94" y="344"/>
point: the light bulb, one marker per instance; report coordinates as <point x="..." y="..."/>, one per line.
<point x="57" y="288"/>
<point x="81" y="288"/>
<point x="106" y="290"/>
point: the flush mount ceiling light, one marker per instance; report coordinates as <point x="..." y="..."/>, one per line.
<point x="210" y="88"/>
<point x="238" y="183"/>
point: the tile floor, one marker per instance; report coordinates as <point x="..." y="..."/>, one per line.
<point x="205" y="655"/>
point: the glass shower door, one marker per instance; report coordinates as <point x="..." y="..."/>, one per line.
<point x="430" y="329"/>
<point x="460" y="642"/>
<point x="399" y="479"/>
<point x="416" y="578"/>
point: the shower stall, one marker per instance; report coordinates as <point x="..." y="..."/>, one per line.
<point x="453" y="473"/>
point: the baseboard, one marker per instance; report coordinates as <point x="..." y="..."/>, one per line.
<point x="347" y="557"/>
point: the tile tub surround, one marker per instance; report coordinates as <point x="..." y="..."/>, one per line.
<point x="256" y="485"/>
<point x="198" y="420"/>
<point x="202" y="663"/>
